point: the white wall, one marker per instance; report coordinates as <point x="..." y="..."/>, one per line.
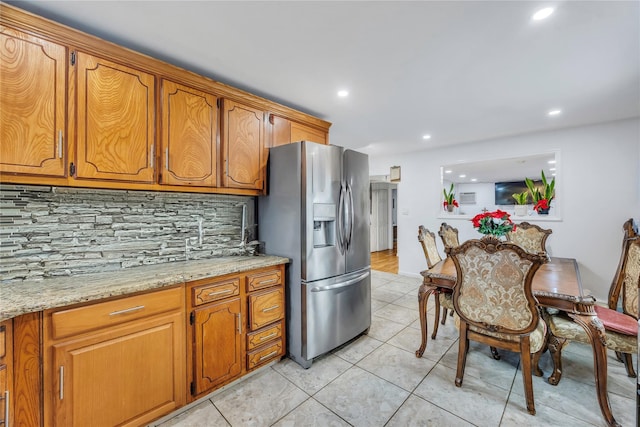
<point x="598" y="181"/>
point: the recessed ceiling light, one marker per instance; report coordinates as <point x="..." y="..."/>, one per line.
<point x="474" y="179"/>
<point x="426" y="136"/>
<point x="552" y="162"/>
<point x="462" y="176"/>
<point x="552" y="169"/>
<point x="343" y="93"/>
<point x="554" y="112"/>
<point x="542" y="14"/>
<point x="448" y="171"/>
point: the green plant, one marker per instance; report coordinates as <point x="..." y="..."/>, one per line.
<point x="449" y="197"/>
<point x="521" y="198"/>
<point x="547" y="188"/>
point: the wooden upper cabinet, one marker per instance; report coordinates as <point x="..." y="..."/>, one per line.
<point x="33" y="90"/>
<point x="300" y="132"/>
<point x="242" y="145"/>
<point x="116" y="121"/>
<point x="280" y="130"/>
<point x="189" y="136"/>
<point x="285" y="131"/>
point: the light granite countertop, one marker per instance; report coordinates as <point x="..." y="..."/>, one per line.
<point x="28" y="296"/>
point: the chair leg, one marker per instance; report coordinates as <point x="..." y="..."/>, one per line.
<point x="619" y="357"/>
<point x="463" y="347"/>
<point x="535" y="358"/>
<point x="527" y="380"/>
<point x="555" y="345"/>
<point x="535" y="361"/>
<point x="494" y="353"/>
<point x="628" y="363"/>
<point x="437" y="315"/>
<point x="444" y="316"/>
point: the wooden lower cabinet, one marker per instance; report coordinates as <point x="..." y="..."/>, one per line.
<point x="120" y="372"/>
<point x="236" y="325"/>
<point x="219" y="324"/>
<point x="6" y="378"/>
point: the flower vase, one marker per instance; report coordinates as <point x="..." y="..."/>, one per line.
<point x="520" y="210"/>
<point x="450" y="208"/>
<point x="543" y="211"/>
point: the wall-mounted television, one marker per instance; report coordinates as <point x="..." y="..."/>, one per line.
<point x="505" y="191"/>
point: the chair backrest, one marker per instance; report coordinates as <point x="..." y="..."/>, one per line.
<point x="623" y="280"/>
<point x="493" y="286"/>
<point x="449" y="237"/>
<point x="631" y="280"/>
<point x="530" y="237"/>
<point x="428" y="241"/>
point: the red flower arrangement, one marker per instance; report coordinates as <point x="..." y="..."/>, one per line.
<point x="541" y="205"/>
<point x="496" y="223"/>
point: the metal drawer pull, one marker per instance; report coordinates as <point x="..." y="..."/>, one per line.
<point x="239" y="323"/>
<point x="266" y="356"/>
<point x="127" y="310"/>
<point x="61" y="382"/>
<point x="226" y="291"/>
<point x="264" y="282"/>
<point x="266" y="337"/>
<point x="264" y="310"/>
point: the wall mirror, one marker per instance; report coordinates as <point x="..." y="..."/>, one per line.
<point x="475" y="181"/>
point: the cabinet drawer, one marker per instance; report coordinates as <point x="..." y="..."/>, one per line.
<point x="215" y="291"/>
<point x="264" y="355"/>
<point x="258" y="338"/>
<point x="264" y="279"/>
<point x="265" y="308"/>
<point x="82" y="319"/>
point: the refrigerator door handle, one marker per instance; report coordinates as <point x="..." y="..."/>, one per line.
<point x="340" y="226"/>
<point x="341" y="284"/>
<point x="352" y="218"/>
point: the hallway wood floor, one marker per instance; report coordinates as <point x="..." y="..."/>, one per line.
<point x="386" y="261"/>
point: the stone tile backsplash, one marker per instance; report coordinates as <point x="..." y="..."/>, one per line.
<point x="56" y="231"/>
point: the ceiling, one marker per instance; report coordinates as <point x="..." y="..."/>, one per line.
<point x="461" y="71"/>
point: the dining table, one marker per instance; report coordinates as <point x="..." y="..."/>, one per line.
<point x="556" y="286"/>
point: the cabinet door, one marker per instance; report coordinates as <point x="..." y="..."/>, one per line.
<point x="6" y="379"/>
<point x="300" y="132"/>
<point x="243" y="142"/>
<point x="217" y="344"/>
<point x="189" y="132"/>
<point x="125" y="376"/>
<point x="116" y="121"/>
<point x="32" y="104"/>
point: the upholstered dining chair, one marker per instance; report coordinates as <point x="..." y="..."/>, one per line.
<point x="530" y="237"/>
<point x="622" y="290"/>
<point x="621" y="328"/>
<point x="428" y="241"/>
<point x="495" y="303"/>
<point x="442" y="296"/>
<point x="449" y="236"/>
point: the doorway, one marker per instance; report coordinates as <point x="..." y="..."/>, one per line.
<point x="384" y="231"/>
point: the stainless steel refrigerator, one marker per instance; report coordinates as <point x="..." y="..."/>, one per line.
<point x="316" y="212"/>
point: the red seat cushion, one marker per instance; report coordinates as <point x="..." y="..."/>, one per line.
<point x="616" y="321"/>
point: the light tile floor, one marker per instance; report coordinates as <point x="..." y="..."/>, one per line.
<point x="376" y="380"/>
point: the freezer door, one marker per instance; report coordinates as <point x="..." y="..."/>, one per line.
<point x="322" y="244"/>
<point x="356" y="180"/>
<point x="336" y="310"/>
